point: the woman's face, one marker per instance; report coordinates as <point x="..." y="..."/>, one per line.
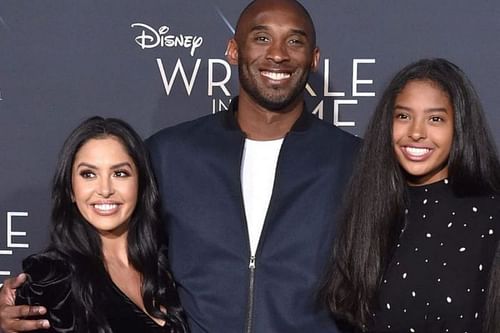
<point x="105" y="185"/>
<point x="423" y="131"/>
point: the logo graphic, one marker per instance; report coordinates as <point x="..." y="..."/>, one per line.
<point x="150" y="38"/>
<point x="11" y="234"/>
<point x="181" y="75"/>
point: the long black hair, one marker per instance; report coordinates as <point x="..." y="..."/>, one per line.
<point x="79" y="244"/>
<point x="376" y="198"/>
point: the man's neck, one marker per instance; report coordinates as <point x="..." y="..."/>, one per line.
<point x="259" y="123"/>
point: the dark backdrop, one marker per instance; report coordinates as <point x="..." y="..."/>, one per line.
<point x="156" y="63"/>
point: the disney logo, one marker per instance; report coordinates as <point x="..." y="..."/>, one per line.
<point x="151" y="38"/>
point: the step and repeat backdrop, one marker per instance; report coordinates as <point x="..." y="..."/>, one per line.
<point x="156" y="63"/>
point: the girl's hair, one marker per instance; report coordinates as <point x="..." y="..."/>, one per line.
<point x="78" y="242"/>
<point x="376" y="196"/>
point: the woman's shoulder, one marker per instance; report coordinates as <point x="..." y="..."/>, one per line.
<point x="48" y="283"/>
<point x="48" y="280"/>
<point x="46" y="266"/>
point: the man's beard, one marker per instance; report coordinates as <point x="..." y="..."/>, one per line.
<point x="276" y="100"/>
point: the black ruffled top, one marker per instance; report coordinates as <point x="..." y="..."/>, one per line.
<point x="49" y="284"/>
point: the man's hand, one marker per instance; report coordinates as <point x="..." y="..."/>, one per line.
<point x="10" y="315"/>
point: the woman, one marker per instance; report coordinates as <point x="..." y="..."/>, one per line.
<point x="416" y="245"/>
<point x="105" y="269"/>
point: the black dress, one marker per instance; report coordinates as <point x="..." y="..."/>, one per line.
<point x="49" y="284"/>
<point x="437" y="279"/>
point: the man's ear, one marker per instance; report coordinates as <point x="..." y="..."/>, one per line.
<point x="232" y="52"/>
<point x="315" y="60"/>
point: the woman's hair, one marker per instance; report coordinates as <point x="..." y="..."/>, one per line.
<point x="78" y="242"/>
<point x="376" y="195"/>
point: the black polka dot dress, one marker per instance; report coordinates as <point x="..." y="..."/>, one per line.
<point x="437" y="279"/>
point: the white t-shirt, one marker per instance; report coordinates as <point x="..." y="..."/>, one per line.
<point x="258" y="168"/>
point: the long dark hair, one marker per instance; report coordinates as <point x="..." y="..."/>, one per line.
<point x="78" y="242"/>
<point x="376" y="198"/>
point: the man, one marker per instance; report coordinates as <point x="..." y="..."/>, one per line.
<point x="250" y="194"/>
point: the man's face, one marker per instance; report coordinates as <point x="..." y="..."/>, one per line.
<point x="274" y="49"/>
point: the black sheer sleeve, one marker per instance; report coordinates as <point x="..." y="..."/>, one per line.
<point x="49" y="284"/>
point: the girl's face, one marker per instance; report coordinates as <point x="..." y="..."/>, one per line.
<point x="423" y="131"/>
<point x="105" y="185"/>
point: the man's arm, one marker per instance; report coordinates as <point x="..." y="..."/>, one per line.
<point x="10" y="314"/>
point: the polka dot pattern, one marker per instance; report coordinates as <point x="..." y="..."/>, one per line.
<point x="437" y="279"/>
